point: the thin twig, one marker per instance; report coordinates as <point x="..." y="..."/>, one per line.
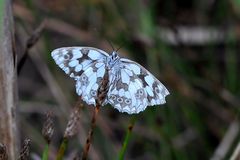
<point x="32" y="40"/>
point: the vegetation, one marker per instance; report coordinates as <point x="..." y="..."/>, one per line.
<point x="190" y="46"/>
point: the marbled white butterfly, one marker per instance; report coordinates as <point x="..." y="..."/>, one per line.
<point x="131" y="87"/>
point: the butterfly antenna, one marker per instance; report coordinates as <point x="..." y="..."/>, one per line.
<point x="111" y="44"/>
<point x="120" y="46"/>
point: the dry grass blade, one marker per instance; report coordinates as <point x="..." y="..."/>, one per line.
<point x="51" y="82"/>
<point x="236" y="153"/>
<point x="227" y="141"/>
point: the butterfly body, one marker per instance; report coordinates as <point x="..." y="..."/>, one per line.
<point x="130" y="87"/>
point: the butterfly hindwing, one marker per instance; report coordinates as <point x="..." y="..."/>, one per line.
<point x="126" y="92"/>
<point x="136" y="86"/>
<point x="88" y="83"/>
<point x="156" y="91"/>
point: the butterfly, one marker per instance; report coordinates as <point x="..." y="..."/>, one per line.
<point x="131" y="88"/>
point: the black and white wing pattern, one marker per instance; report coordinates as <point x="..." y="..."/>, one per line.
<point x="133" y="88"/>
<point x="86" y="65"/>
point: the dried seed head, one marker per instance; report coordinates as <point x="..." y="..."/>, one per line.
<point x="25" y="150"/>
<point x="73" y="122"/>
<point x="102" y="91"/>
<point x="47" y="130"/>
<point x="3" y="152"/>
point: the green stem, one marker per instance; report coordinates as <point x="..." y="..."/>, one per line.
<point x="126" y="139"/>
<point x="45" y="152"/>
<point x="62" y="149"/>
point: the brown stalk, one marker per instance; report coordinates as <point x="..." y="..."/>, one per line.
<point x="90" y="133"/>
<point x="102" y="91"/>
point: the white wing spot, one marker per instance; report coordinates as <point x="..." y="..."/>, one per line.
<point x="73" y="63"/>
<point x="78" y="68"/>
<point x="149" y="79"/>
<point x="125" y="77"/>
<point x="93" y="54"/>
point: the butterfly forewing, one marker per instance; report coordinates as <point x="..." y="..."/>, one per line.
<point x="74" y="60"/>
<point x="86" y="65"/>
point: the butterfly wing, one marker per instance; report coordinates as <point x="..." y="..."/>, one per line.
<point x="88" y="83"/>
<point x="75" y="60"/>
<point x="86" y="65"/>
<point x="134" y="88"/>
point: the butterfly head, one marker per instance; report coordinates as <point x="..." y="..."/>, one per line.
<point x="113" y="59"/>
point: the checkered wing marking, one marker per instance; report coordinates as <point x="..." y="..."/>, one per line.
<point x="75" y="60"/>
<point x="88" y="83"/>
<point x="86" y="65"/>
<point x="134" y="88"/>
<point x="156" y="91"/>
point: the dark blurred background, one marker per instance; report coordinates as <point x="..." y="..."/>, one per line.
<point x="192" y="47"/>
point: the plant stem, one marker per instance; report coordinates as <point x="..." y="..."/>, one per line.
<point x="126" y="139"/>
<point x="62" y="149"/>
<point x="45" y="152"/>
